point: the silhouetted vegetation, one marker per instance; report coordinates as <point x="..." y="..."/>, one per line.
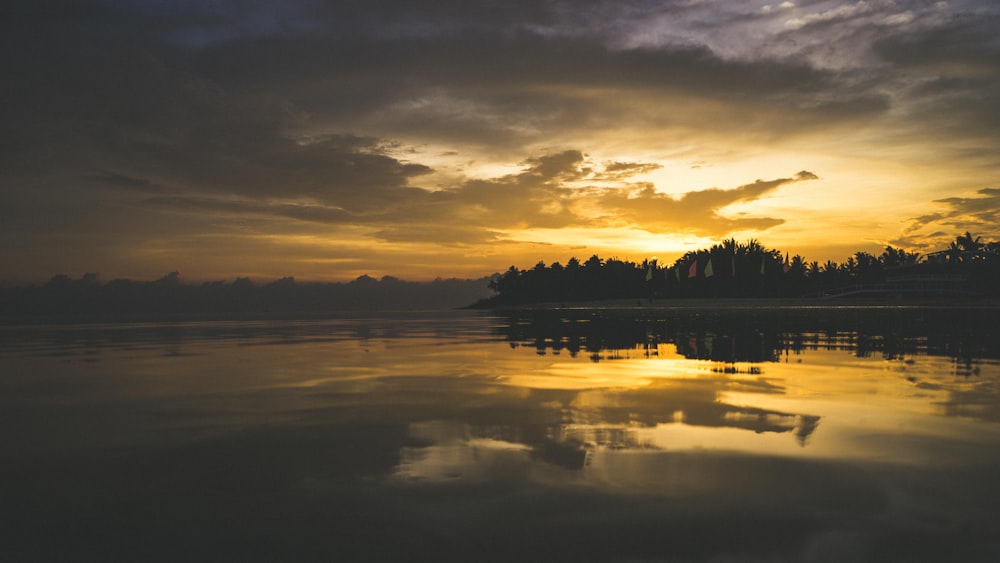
<point x="730" y="269"/>
<point x="168" y="296"/>
<point x="735" y="270"/>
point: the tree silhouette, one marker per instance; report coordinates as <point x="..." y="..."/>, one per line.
<point x="895" y="258"/>
<point x="738" y="269"/>
<point x="726" y="269"/>
<point x="967" y="243"/>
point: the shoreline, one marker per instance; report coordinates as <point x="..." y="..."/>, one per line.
<point x="753" y="304"/>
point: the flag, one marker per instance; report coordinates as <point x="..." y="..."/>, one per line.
<point x="693" y="270"/>
<point x="708" y="269"/>
<point x="649" y="274"/>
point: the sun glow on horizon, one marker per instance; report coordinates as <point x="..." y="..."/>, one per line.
<point x="622" y="243"/>
<point x="443" y="152"/>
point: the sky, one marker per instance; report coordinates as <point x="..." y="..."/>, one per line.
<point x="455" y="138"/>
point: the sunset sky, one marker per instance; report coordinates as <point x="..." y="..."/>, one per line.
<point x="454" y="138"/>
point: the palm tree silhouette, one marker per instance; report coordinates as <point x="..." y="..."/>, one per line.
<point x="967" y="243"/>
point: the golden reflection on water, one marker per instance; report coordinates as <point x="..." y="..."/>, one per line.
<point x="510" y="436"/>
<point x="620" y="420"/>
<point x="513" y="405"/>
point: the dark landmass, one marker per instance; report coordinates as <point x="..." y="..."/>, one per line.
<point x="969" y="269"/>
<point x="87" y="298"/>
<point x="728" y="275"/>
<point x="749" y="304"/>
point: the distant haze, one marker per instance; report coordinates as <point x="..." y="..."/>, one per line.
<point x="168" y="297"/>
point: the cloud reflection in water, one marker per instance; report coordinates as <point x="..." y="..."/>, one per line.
<point x="857" y="438"/>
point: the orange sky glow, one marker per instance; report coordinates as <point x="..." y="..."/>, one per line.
<point x="454" y="139"/>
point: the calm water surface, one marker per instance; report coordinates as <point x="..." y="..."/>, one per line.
<point x="784" y="435"/>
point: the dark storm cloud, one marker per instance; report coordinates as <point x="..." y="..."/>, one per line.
<point x="248" y="208"/>
<point x="550" y="192"/>
<point x="484" y="61"/>
<point x="517" y="200"/>
<point x="114" y="84"/>
<point x="966" y="40"/>
<point x="126" y="182"/>
<point x="338" y="113"/>
<point x="501" y="83"/>
<point x="497" y="88"/>
<point x="102" y="107"/>
<point x="521" y="68"/>
<point x="960" y="66"/>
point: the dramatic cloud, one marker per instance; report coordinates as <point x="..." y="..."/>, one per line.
<point x="550" y="192"/>
<point x="477" y="131"/>
<point x="697" y="211"/>
<point x="979" y="214"/>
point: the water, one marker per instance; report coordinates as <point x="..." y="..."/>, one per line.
<point x="598" y="435"/>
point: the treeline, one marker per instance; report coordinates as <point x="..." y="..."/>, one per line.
<point x="733" y="269"/>
<point x="168" y="296"/>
